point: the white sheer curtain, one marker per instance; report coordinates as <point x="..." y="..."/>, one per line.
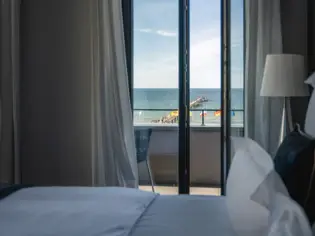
<point x="263" y="36"/>
<point x="9" y="92"/>
<point x="114" y="154"/>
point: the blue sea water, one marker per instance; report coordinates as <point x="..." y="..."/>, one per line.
<point x="168" y="99"/>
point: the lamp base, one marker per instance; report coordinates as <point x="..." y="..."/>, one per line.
<point x="286" y="118"/>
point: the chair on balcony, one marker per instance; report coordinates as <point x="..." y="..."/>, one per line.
<point x="142" y="137"/>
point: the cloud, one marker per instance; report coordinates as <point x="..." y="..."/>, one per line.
<point x="161" y="70"/>
<point x="145" y="30"/>
<point x="164" y="33"/>
<point x="205" y="62"/>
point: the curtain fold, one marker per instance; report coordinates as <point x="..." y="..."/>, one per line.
<point x="113" y="144"/>
<point x="263" y="36"/>
<point x="9" y="92"/>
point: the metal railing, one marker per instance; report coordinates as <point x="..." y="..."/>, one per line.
<point x="203" y="114"/>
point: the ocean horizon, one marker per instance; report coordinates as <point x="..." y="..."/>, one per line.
<point x="146" y="100"/>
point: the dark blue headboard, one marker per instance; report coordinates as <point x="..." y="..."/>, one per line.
<point x="7" y="189"/>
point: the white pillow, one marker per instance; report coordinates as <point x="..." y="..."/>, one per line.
<point x="252" y="175"/>
<point x="251" y="188"/>
<point x="311" y="80"/>
<point x="287" y="218"/>
<point x="310" y="114"/>
<point x="250" y="166"/>
<point x="245" y="216"/>
<point x="266" y="191"/>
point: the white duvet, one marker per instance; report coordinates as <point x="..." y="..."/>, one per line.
<point x="109" y="211"/>
<point x="87" y="211"/>
<point x="67" y="211"/>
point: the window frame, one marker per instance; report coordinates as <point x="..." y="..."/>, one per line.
<point x="184" y="124"/>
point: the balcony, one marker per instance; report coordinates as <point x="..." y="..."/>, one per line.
<point x="205" y="147"/>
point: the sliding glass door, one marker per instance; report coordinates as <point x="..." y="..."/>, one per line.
<point x="232" y="80"/>
<point x="238" y="67"/>
<point x="156" y="91"/>
<point x="205" y="96"/>
<point x="237" y="64"/>
<point x="187" y="89"/>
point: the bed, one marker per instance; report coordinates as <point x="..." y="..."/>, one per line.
<point x="109" y="211"/>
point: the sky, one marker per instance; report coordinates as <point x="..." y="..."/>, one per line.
<point x="156" y="44"/>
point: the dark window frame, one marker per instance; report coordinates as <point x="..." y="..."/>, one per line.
<point x="184" y="126"/>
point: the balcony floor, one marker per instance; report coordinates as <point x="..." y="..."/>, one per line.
<point x="167" y="190"/>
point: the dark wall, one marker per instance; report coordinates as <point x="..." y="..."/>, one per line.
<point x="6" y="115"/>
<point x="55" y="92"/>
<point x="294" y="19"/>
<point x="311" y="35"/>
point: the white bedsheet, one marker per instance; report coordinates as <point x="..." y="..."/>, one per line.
<point x="186" y="216"/>
<point x="67" y="211"/>
<point x="86" y="211"/>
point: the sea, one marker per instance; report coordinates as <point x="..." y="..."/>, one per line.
<point x="146" y="100"/>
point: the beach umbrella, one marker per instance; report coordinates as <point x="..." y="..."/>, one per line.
<point x="218" y="113"/>
<point x="176" y="113"/>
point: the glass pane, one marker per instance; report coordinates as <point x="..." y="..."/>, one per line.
<point x="156" y="90"/>
<point x="237" y="70"/>
<point x="205" y="95"/>
<point x="237" y="67"/>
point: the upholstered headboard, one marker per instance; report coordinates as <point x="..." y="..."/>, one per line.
<point x="7" y="189"/>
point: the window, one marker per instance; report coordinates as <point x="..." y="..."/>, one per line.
<point x="156" y="90"/>
<point x="237" y="63"/>
<point x="156" y="62"/>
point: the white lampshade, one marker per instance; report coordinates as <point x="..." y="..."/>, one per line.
<point x="284" y="76"/>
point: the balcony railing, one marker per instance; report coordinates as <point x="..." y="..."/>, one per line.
<point x="198" y="117"/>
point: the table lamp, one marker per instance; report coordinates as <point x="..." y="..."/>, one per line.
<point x="284" y="76"/>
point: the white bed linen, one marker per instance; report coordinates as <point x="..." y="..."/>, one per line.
<point x="186" y="216"/>
<point x="200" y="216"/>
<point x="288" y="218"/>
<point x="72" y="211"/>
<point x="82" y="211"/>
